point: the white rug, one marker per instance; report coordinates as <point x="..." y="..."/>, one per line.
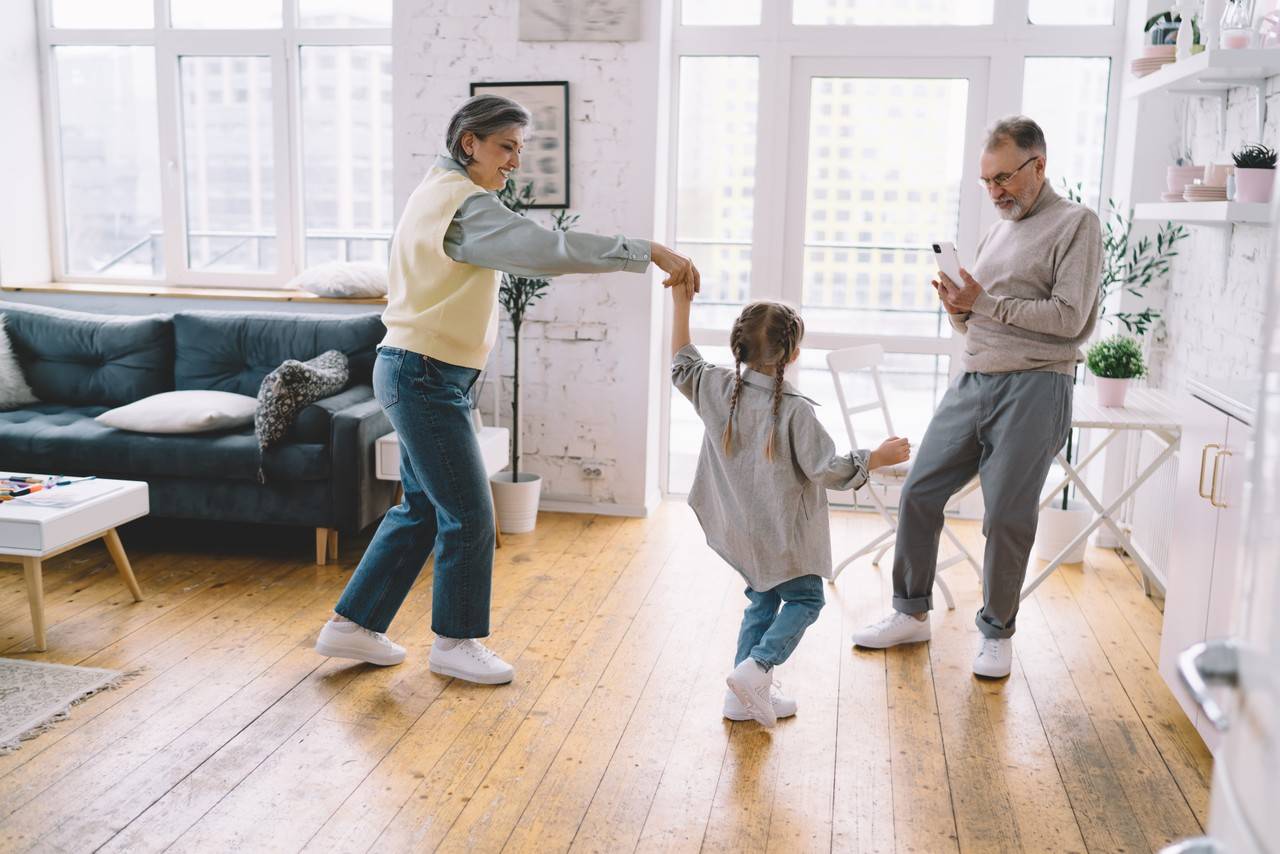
<point x="34" y="696"/>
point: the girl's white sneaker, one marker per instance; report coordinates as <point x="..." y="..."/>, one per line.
<point x="897" y="628"/>
<point x="347" y="640"/>
<point x="470" y="660"/>
<point x="751" y="684"/>
<point x="783" y="706"/>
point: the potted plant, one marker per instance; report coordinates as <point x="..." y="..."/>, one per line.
<point x="516" y="493"/>
<point x="1114" y="362"/>
<point x="1255" y="173"/>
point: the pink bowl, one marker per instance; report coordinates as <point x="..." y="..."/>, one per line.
<point x="1178" y="177"/>
<point x="1160" y="50"/>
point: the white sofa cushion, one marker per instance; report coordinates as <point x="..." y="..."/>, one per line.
<point x="183" y="412"/>
<point x="343" y="280"/>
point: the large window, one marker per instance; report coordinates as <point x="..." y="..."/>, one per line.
<point x="229" y="143"/>
<point x="821" y="146"/>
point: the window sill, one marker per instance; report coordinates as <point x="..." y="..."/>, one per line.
<point x="113" y="289"/>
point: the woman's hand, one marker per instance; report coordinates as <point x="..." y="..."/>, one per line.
<point x="679" y="269"/>
<point x="891" y="452"/>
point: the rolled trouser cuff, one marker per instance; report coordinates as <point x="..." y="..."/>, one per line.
<point x="990" y="630"/>
<point x="913" y="605"/>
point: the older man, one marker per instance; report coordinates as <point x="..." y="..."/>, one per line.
<point x="1031" y="302"/>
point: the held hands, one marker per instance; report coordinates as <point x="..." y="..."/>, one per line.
<point x="892" y="451"/>
<point x="957" y="298"/>
<point x="682" y="277"/>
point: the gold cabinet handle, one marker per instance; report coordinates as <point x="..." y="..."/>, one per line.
<point x="1213" y="493"/>
<point x="1204" y="455"/>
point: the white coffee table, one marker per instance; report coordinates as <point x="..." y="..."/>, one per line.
<point x="37" y="527"/>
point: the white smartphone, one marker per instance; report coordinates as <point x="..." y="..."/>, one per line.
<point x="948" y="262"/>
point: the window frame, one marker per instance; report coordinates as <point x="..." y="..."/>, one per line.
<point x="283" y="46"/>
<point x="783" y="48"/>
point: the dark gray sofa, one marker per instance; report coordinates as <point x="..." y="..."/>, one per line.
<point x="80" y="365"/>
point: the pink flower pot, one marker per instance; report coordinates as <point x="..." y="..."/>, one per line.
<point x="1254" y="185"/>
<point x="1111" y="392"/>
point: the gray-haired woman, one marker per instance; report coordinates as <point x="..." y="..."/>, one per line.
<point x="454" y="238"/>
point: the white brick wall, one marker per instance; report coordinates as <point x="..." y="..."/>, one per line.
<point x="1214" y="306"/>
<point x="586" y="354"/>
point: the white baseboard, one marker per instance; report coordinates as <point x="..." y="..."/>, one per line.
<point x="638" y="511"/>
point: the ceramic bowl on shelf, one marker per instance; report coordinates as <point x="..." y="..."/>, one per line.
<point x="1153" y="51"/>
<point x="1171" y="197"/>
<point x="1178" y="177"/>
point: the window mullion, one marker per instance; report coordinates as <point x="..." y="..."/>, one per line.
<point x="172" y="185"/>
<point x="283" y="67"/>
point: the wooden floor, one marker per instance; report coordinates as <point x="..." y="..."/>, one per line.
<point x="235" y="735"/>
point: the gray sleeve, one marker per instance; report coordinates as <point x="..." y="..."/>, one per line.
<point x="1075" y="290"/>
<point x="485" y="233"/>
<point x="690" y="373"/>
<point x="815" y="455"/>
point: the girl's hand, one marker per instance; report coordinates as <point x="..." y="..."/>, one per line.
<point x="892" y="451"/>
<point x="679" y="269"/>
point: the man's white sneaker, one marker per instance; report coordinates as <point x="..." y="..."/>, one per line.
<point x="347" y="640"/>
<point x="783" y="706"/>
<point x="995" y="659"/>
<point x="751" y="684"/>
<point x="470" y="660"/>
<point x="897" y="628"/>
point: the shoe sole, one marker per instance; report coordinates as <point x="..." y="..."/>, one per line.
<point x="445" y="670"/>
<point x="1004" y="675"/>
<point x="330" y="650"/>
<point x="744" y="698"/>
<point x="878" y="645"/>
<point x="746" y="717"/>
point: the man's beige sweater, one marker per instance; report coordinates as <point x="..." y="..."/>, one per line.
<point x="1041" y="276"/>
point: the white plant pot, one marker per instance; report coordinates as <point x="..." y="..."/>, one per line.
<point x="1111" y="392"/>
<point x="1254" y="185"/>
<point x="516" y="504"/>
<point x="1059" y="527"/>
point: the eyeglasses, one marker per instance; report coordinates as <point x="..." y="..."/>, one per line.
<point x="1003" y="179"/>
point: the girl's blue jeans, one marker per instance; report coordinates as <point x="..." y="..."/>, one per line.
<point x="776" y="619"/>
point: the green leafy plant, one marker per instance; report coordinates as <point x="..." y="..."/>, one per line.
<point x="517" y="294"/>
<point x="1130" y="266"/>
<point x="1117" y="358"/>
<point x="1255" y="157"/>
<point x="1169" y="20"/>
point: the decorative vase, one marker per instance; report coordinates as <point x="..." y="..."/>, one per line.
<point x="1058" y="527"/>
<point x="1111" y="391"/>
<point x="1254" y="185"/>
<point x="515" y="502"/>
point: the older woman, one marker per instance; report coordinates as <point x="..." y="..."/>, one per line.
<point x="454" y="238"/>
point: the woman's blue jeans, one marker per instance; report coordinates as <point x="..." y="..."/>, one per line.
<point x="776" y="619"/>
<point x="447" y="504"/>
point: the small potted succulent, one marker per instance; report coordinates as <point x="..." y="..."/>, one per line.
<point x="1114" y="362"/>
<point x="1255" y="173"/>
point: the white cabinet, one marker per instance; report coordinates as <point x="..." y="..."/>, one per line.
<point x="1207" y="507"/>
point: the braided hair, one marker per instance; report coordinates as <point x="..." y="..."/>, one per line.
<point x="765" y="335"/>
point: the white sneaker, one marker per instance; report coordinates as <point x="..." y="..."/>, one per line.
<point x="470" y="660"/>
<point x="783" y="706"/>
<point x="995" y="659"/>
<point x="894" y="629"/>
<point x="751" y="684"/>
<point x="347" y="640"/>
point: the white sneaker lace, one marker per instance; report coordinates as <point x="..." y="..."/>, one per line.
<point x="379" y="637"/>
<point x="477" y="650"/>
<point x="990" y="648"/>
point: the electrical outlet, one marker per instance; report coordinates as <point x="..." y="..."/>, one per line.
<point x="592" y="470"/>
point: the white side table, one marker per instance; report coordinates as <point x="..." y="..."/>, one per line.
<point x="495" y="447"/>
<point x="37" y="527"/>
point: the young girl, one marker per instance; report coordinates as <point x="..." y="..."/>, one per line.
<point x="760" y="489"/>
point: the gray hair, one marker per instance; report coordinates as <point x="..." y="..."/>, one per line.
<point x="1021" y="131"/>
<point x="483" y="115"/>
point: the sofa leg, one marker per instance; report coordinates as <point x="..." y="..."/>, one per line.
<point x="333" y="544"/>
<point x="322" y="545"/>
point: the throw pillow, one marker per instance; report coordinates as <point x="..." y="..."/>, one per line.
<point x="291" y="387"/>
<point x="341" y="279"/>
<point x="182" y="412"/>
<point x="14" y="391"/>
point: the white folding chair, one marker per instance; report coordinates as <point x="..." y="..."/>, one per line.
<point x="851" y="360"/>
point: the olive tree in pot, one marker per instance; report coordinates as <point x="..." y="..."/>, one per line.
<point x="516" y="493"/>
<point x="1255" y="173"/>
<point x="1114" y="362"/>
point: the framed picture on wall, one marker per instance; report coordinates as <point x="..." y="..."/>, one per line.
<point x="545" y="161"/>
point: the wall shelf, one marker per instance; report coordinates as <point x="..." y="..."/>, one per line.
<point x="1212" y="74"/>
<point x="1205" y="213"/>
